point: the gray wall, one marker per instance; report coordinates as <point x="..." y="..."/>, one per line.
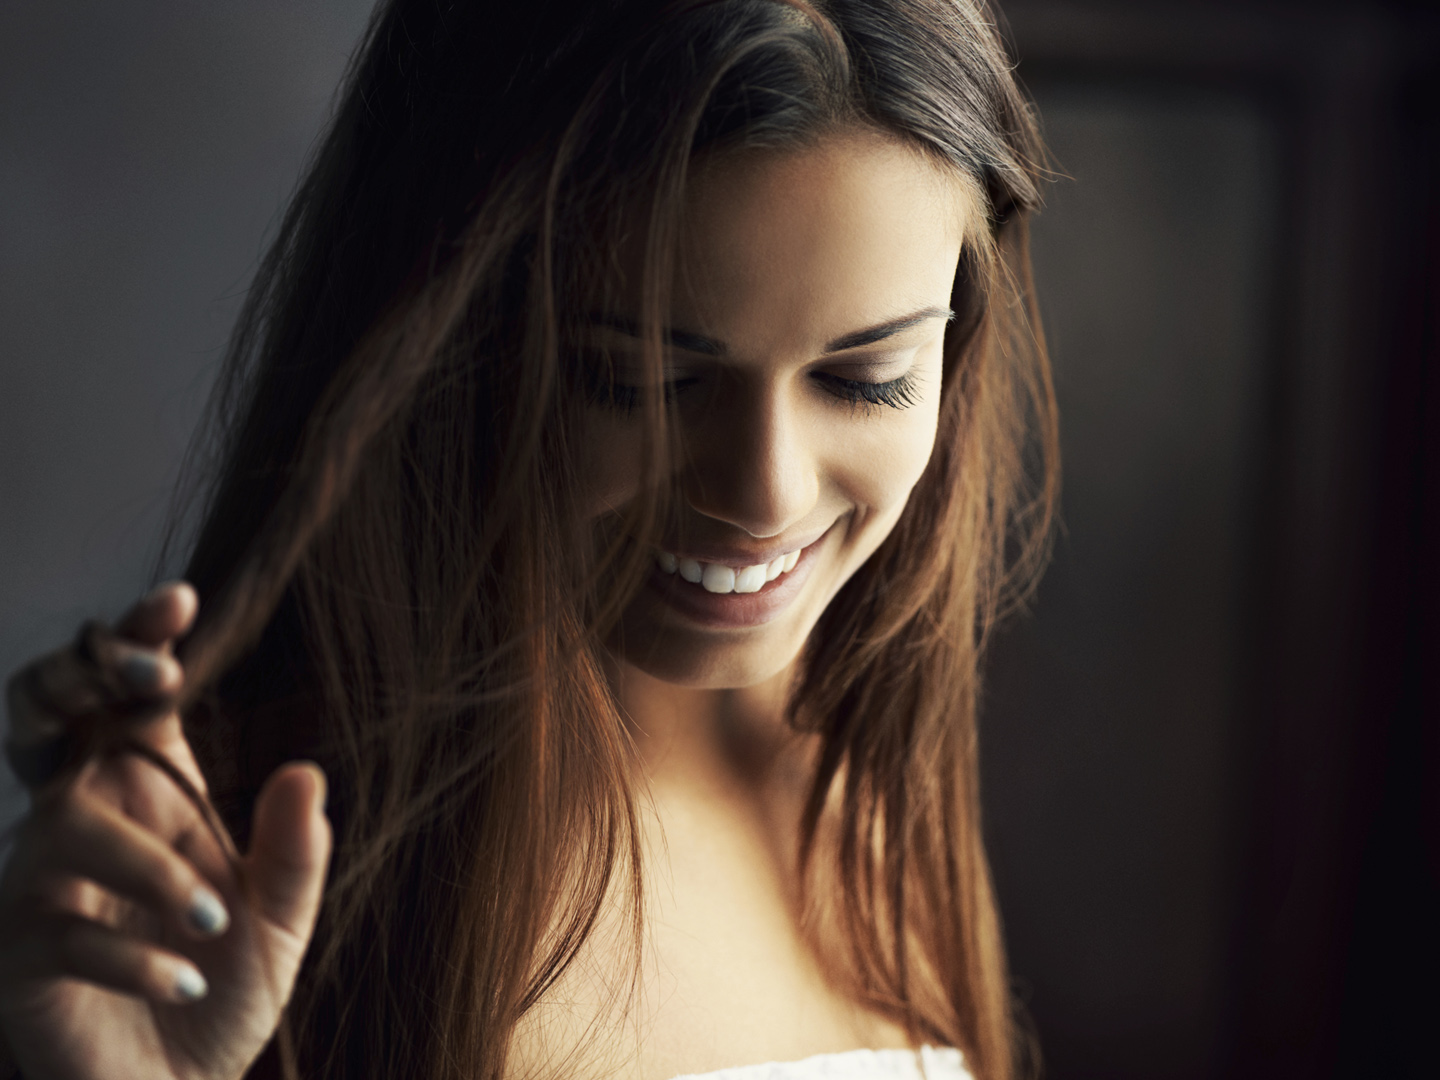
<point x="145" y="151"/>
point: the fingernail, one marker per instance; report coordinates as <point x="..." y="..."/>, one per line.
<point x="190" y="985"/>
<point x="141" y="670"/>
<point x="207" y="913"/>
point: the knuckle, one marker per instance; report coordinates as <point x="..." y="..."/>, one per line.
<point x="65" y="895"/>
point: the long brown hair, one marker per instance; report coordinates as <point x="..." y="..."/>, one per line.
<point x="393" y="575"/>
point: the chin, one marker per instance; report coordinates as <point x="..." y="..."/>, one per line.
<point x="701" y="662"/>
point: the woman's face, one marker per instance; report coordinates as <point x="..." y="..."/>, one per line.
<point x="805" y="331"/>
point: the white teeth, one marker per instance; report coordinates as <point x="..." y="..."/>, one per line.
<point x="751" y="579"/>
<point x="718" y="578"/>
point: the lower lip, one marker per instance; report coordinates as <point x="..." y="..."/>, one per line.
<point x="734" y="610"/>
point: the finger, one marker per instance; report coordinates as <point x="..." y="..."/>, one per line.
<point x="140" y="670"/>
<point x="69" y="895"/>
<point x="161" y="615"/>
<point x="62" y="945"/>
<point x="143" y="775"/>
<point x="73" y="681"/>
<point x="86" y="839"/>
<point x="290" y="847"/>
<point x="127" y="670"/>
<point x="46" y="695"/>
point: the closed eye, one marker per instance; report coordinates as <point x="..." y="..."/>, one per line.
<point x="606" y="390"/>
<point x="898" y="393"/>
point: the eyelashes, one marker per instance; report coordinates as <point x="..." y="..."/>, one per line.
<point x="898" y="393"/>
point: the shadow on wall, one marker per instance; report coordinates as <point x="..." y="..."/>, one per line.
<point x="1108" y="727"/>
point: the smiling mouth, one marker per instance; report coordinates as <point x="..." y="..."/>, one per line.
<point x="720" y="578"/>
<point x="718" y="594"/>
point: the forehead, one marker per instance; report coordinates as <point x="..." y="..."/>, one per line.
<point x="784" y="250"/>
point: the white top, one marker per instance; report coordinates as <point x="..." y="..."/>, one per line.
<point x="928" y="1063"/>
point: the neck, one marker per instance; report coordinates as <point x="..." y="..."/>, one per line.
<point x="702" y="740"/>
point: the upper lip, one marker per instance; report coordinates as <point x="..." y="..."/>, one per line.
<point x="735" y="557"/>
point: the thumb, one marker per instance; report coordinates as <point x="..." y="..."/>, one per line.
<point x="290" y="848"/>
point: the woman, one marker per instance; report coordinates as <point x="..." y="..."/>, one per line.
<point x="621" y="461"/>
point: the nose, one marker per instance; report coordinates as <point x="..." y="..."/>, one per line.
<point x="750" y="462"/>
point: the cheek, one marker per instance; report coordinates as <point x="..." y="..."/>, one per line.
<point x="878" y="464"/>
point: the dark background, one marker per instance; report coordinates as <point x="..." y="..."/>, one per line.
<point x="1213" y="749"/>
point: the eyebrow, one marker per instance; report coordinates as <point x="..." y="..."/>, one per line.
<point x="870" y="335"/>
<point x="708" y="346"/>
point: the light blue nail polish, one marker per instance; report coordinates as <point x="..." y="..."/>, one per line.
<point x="141" y="671"/>
<point x="190" y="985"/>
<point x="207" y="913"/>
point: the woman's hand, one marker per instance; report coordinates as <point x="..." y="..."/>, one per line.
<point x="130" y="946"/>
